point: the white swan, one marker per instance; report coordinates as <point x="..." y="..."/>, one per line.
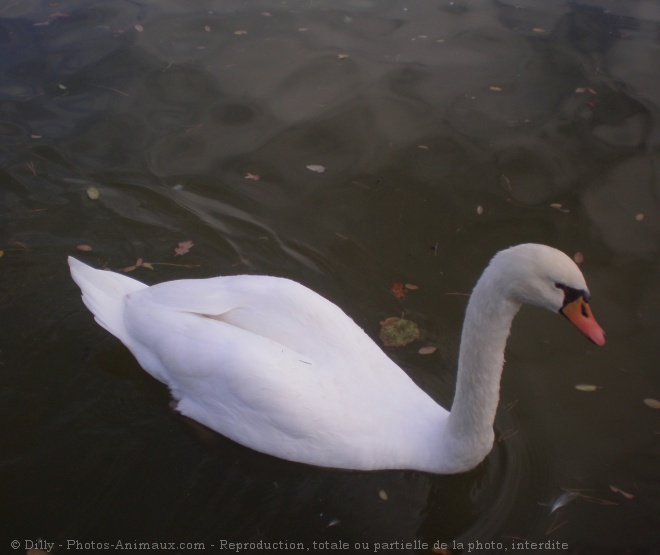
<point x="278" y="368"/>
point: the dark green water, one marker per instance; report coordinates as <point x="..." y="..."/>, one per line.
<point x="447" y="130"/>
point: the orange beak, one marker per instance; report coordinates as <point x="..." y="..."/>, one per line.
<point x="579" y="313"/>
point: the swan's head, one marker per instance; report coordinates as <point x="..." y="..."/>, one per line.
<point x="545" y="277"/>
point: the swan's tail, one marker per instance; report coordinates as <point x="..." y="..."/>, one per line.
<point x="103" y="293"/>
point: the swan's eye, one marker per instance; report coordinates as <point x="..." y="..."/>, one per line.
<point x="571" y="294"/>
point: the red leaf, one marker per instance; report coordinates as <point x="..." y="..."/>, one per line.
<point x="398" y="290"/>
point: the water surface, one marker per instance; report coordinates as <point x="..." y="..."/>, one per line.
<point x="447" y="131"/>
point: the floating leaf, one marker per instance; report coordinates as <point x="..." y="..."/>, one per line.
<point x="397" y="332"/>
<point x="538" y="30"/>
<point x="84" y="248"/>
<point x="398" y="290"/>
<point x="58" y="15"/>
<point x="480" y="210"/>
<point x="412" y="286"/>
<point x="137" y="264"/>
<point x="639" y="217"/>
<point x="316" y="168"/>
<point x="183" y="248"/>
<point x="207" y="28"/>
<point x="240" y="32"/>
<point x="653" y="403"/>
<point x="342" y="56"/>
<point x="383" y="495"/>
<point x="495" y="89"/>
<point x="251" y="176"/>
<point x="578" y="257"/>
<point x="93" y="193"/>
<point x="586" y="387"/>
<point x="138" y="28"/>
<point x="559" y="207"/>
<point x="427" y="350"/>
<point x="624" y="493"/>
<point x="423" y="147"/>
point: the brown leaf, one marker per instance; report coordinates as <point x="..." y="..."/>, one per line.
<point x="183" y="248"/>
<point x="137" y="264"/>
<point x="653" y="403"/>
<point x="427" y="350"/>
<point x="586" y="387"/>
<point x="624" y="493"/>
<point x="58" y="15"/>
<point x="84" y="248"/>
<point x="558" y="206"/>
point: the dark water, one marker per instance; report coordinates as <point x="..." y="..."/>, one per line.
<point x="448" y="130"/>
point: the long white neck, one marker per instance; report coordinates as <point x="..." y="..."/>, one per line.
<point x="486" y="328"/>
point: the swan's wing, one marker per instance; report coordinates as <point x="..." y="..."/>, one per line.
<point x="275" y="308"/>
<point x="248" y="387"/>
